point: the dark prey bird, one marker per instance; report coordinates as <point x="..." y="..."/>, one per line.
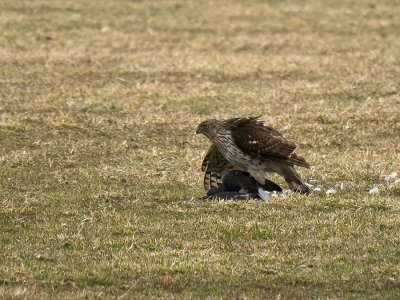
<point x="248" y="145"/>
<point x="239" y="185"/>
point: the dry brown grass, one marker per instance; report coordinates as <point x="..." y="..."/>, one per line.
<point x="99" y="164"/>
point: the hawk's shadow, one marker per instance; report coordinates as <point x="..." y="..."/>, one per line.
<point x="239" y="185"/>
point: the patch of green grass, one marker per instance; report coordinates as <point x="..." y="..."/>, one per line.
<point x="99" y="163"/>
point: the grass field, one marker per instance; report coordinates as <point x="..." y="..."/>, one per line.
<point x="100" y="166"/>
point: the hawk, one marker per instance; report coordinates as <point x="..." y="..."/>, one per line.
<point x="247" y="144"/>
<point x="215" y="166"/>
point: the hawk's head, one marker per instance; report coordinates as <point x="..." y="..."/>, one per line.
<point x="209" y="128"/>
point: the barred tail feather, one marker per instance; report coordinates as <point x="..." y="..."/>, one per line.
<point x="294" y="180"/>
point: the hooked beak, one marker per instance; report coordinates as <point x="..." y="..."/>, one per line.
<point x="197" y="130"/>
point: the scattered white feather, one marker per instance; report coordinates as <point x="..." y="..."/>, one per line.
<point x="285" y="193"/>
<point x="397" y="181"/>
<point x="390" y="176"/>
<point x="317" y="190"/>
<point x="341" y="186"/>
<point x="264" y="195"/>
<point x="374" y="190"/>
<point x="308" y="185"/>
<point x="330" y="192"/>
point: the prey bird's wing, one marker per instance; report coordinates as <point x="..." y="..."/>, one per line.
<point x="214" y="164"/>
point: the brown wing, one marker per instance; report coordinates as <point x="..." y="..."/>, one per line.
<point x="253" y="137"/>
<point x="214" y="164"/>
